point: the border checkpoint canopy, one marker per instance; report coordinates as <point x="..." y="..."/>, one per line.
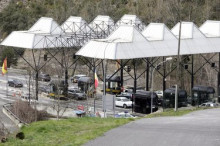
<point x="211" y="29"/>
<point x="124" y="43"/>
<point x="161" y="38"/>
<point x="131" y="20"/>
<point x="75" y="25"/>
<point x="43" y="34"/>
<point x="193" y="41"/>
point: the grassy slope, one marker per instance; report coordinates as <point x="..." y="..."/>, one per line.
<point x="75" y="131"/>
<point x="171" y="112"/>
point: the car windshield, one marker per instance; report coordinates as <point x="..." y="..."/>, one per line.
<point x="17" y="81"/>
<point x="45" y="75"/>
<point x="125" y="99"/>
<point x="77" y="91"/>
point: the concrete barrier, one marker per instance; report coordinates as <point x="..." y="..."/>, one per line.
<point x="65" y="111"/>
<point x="10" y="115"/>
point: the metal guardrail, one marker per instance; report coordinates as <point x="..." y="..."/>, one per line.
<point x="5" y="106"/>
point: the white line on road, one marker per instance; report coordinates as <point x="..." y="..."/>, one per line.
<point x="6" y="99"/>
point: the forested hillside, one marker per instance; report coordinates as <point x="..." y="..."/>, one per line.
<point x="22" y="14"/>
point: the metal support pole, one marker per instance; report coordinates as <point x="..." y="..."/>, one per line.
<point x="135" y="83"/>
<point x="114" y="105"/>
<point x="152" y="81"/>
<point x="218" y="85"/>
<point x="178" y="67"/>
<point x="66" y="82"/>
<point x="152" y="91"/>
<point x="29" y="87"/>
<point x="122" y="80"/>
<point x="176" y="98"/>
<point x="147" y="76"/>
<point x="192" y="75"/>
<point x="7" y="85"/>
<point x="135" y="76"/>
<point x="164" y="74"/>
<point x="94" y="70"/>
<point x="104" y="88"/>
<point x="36" y="84"/>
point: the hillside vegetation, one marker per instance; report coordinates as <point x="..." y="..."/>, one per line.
<point x="22" y="14"/>
<point x="76" y="131"/>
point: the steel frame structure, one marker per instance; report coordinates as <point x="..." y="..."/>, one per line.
<point x="77" y="34"/>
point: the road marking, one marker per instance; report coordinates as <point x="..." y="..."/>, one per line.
<point x="6" y="99"/>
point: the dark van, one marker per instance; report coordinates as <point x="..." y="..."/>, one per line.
<point x="142" y="100"/>
<point x="84" y="83"/>
<point x="169" y="98"/>
<point x="202" y="94"/>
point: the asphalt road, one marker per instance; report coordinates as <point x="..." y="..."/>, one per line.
<point x="200" y="128"/>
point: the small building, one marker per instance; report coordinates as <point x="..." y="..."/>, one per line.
<point x="113" y="84"/>
<point x="202" y="94"/>
<point x="84" y="83"/>
<point x="142" y="101"/>
<point x="169" y="98"/>
<point x="57" y="85"/>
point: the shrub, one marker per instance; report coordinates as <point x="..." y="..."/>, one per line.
<point x="26" y="113"/>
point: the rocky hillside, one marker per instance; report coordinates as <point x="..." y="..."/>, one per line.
<point x="3" y="4"/>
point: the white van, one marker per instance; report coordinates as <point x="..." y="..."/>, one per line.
<point x="75" y="78"/>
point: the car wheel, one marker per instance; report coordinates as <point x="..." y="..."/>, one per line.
<point x="124" y="106"/>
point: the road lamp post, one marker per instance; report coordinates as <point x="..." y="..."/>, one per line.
<point x="152" y="82"/>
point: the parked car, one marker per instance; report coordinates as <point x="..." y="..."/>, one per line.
<point x="75" y="78"/>
<point x="159" y="93"/>
<point x="123" y="102"/>
<point x="26" y="96"/>
<point x="124" y="115"/>
<point x="15" y="83"/>
<point x="130" y="89"/>
<point x="128" y="95"/>
<point x="45" y="89"/>
<point x="209" y="104"/>
<point x="44" y="77"/>
<point x="77" y="94"/>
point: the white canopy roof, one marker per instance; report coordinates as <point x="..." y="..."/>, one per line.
<point x="101" y="23"/>
<point x="75" y="25"/>
<point x="131" y="20"/>
<point x="211" y="28"/>
<point x="193" y="41"/>
<point x="46" y="25"/>
<point x="25" y="39"/>
<point x="45" y="33"/>
<point x="125" y="43"/>
<point x="161" y="38"/>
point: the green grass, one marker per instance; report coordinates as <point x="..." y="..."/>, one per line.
<point x="171" y="112"/>
<point x="74" y="131"/>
